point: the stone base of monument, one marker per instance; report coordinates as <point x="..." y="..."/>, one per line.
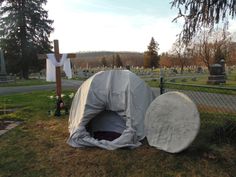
<point x="3" y="78"/>
<point x="216" y="79"/>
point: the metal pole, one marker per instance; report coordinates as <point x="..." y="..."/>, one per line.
<point x="161" y="82"/>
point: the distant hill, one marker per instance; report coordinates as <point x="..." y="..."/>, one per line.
<point x="94" y="59"/>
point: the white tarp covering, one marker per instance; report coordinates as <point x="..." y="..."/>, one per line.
<point x="172" y="122"/>
<point x="51" y="63"/>
<point x="119" y="91"/>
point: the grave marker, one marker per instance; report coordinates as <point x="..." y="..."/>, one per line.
<point x="58" y="73"/>
<point x="58" y="69"/>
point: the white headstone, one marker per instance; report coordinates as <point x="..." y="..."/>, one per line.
<point x="172" y="122"/>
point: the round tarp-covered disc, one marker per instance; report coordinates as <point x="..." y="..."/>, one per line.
<point x="172" y="122"/>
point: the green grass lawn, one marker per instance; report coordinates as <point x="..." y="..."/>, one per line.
<point x="25" y="83"/>
<point x="203" y="81"/>
<point x="200" y="84"/>
<point x="38" y="148"/>
<point x="200" y="79"/>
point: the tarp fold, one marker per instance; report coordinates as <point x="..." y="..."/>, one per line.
<point x="120" y="91"/>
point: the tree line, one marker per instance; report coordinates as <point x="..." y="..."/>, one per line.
<point x="108" y="59"/>
<point x="207" y="47"/>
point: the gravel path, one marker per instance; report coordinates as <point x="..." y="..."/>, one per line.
<point x="74" y="84"/>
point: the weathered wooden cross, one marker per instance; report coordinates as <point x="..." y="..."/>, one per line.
<point x="58" y="69"/>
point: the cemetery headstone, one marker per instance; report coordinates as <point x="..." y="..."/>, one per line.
<point x="199" y="70"/>
<point x="217" y="73"/>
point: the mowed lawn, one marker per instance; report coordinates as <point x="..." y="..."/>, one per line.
<point x="38" y="148"/>
<point x="22" y="82"/>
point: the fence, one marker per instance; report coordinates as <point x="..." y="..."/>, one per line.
<point x="216" y="104"/>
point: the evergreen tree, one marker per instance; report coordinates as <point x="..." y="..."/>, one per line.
<point x="24" y="32"/>
<point x="113" y="61"/>
<point x="118" y="61"/>
<point x="151" y="58"/>
<point x="104" y="61"/>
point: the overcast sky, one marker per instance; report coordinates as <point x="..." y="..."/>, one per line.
<point x="112" y="25"/>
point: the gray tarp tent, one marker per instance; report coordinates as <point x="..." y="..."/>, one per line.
<point x="115" y="101"/>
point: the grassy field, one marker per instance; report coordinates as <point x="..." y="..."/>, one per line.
<point x="28" y="82"/>
<point x="200" y="80"/>
<point x="200" y="84"/>
<point x="38" y="148"/>
<point x="203" y="81"/>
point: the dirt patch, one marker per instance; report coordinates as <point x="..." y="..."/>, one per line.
<point x="5" y="125"/>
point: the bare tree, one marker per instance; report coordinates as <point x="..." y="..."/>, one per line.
<point x="231" y="60"/>
<point x="203" y="13"/>
<point x="211" y="47"/>
<point x="181" y="53"/>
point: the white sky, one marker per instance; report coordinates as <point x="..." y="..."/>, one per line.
<point x="112" y="25"/>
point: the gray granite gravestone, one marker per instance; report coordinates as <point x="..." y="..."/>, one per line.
<point x="217" y="73"/>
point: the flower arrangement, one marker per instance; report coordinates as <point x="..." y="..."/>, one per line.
<point x="60" y="106"/>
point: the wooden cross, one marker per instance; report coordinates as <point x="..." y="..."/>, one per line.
<point x="58" y="69"/>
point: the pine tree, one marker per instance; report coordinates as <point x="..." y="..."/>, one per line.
<point x="113" y="61"/>
<point x="104" y="61"/>
<point x="24" y="32"/>
<point x="118" y="61"/>
<point x="153" y="47"/>
<point x="151" y="58"/>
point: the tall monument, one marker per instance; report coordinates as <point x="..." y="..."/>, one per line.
<point x="3" y="73"/>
